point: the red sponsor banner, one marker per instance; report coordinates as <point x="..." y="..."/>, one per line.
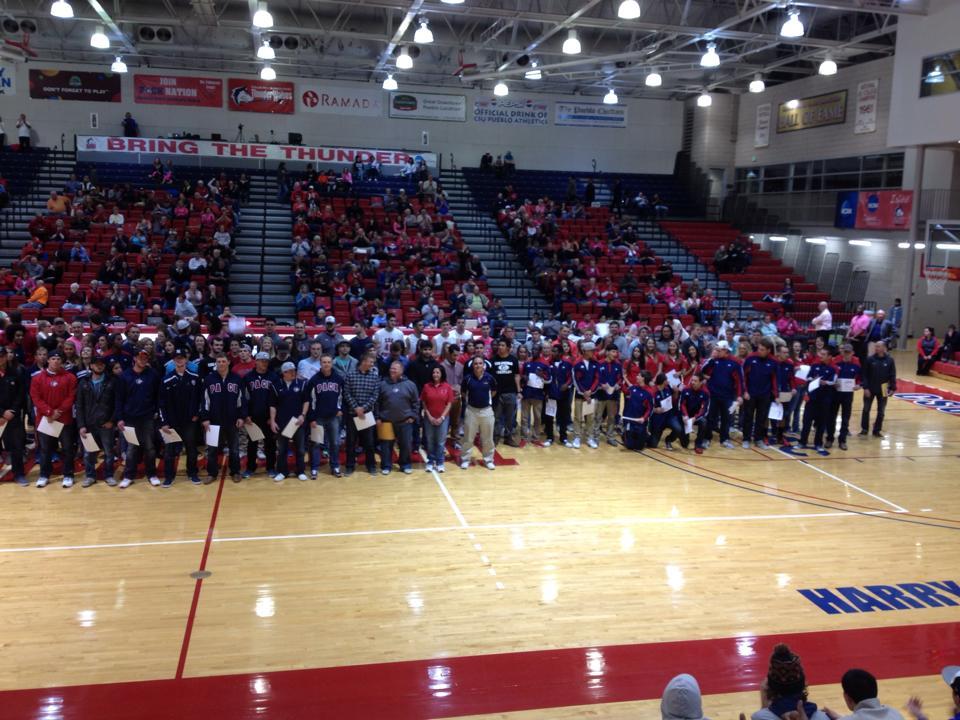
<point x="256" y="151"/>
<point x="260" y="96"/>
<point x="178" y="90"/>
<point x="884" y="209"/>
<point x="74" y="85"/>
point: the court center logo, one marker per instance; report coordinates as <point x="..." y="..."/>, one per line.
<point x="930" y="400"/>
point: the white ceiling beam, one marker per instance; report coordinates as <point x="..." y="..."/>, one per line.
<point x="107" y="20"/>
<point x="408" y="18"/>
<point x="567" y="22"/>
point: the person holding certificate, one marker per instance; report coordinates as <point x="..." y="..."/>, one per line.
<point x="222" y="411"/>
<point x="880" y="382"/>
<point x="53" y="392"/>
<point x="820" y="389"/>
<point x="399" y="405"/>
<point x="259" y="387"/>
<point x="179" y="412"/>
<point x="12" y="401"/>
<point x="760" y="379"/>
<point x="848" y="380"/>
<point x="287" y="419"/>
<point x="96" y="398"/>
<point x="136" y="404"/>
<point x="361" y="389"/>
<point x="324" y="393"/>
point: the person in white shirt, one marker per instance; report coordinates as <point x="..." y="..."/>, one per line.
<point x="386" y="336"/>
<point x="443" y="337"/>
<point x="23" y="133"/>
<point x="461" y="334"/>
<point x="116" y="218"/>
<point x="222" y="238"/>
<point x="823" y="323"/>
<point x="196" y="262"/>
<point x="860" y="695"/>
<point x="414" y="338"/>
<point x="310" y="366"/>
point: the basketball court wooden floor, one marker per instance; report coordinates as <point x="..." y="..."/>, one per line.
<point x="570" y="584"/>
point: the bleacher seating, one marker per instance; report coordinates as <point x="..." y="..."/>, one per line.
<point x="765" y="275"/>
<point x="20" y="169"/>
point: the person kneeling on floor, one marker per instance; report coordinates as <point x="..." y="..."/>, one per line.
<point x="637" y="407"/>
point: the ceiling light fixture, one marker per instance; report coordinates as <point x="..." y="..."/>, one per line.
<point x="903" y="246"/>
<point x="610" y="98"/>
<point x="571" y="46"/>
<point x="262" y="17"/>
<point x="792" y="27"/>
<point x="404" y="61"/>
<point x="704" y="100"/>
<point x="423" y="35"/>
<point x="62" y="9"/>
<point x="778" y="238"/>
<point x="99" y="39"/>
<point x="534" y="72"/>
<point x="710" y="58"/>
<point x="793" y="104"/>
<point x="828" y="67"/>
<point x="501" y="89"/>
<point x="757" y="85"/>
<point x="860" y="243"/>
<point x="653" y="79"/>
<point x="389" y="83"/>
<point x="935" y="76"/>
<point x="265" y="52"/>
<point x="118" y="66"/>
<point x="948" y="246"/>
<point x="268" y="73"/>
<point x="628" y="10"/>
<point x="919" y="246"/>
<point x="452" y="2"/>
<point x="816" y="240"/>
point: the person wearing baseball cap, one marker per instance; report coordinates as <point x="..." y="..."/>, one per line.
<point x="179" y="411"/>
<point x="136" y="405"/>
<point x="725" y="385"/>
<point x="96" y="400"/>
<point x="260" y="388"/>
<point x="53" y="392"/>
<point x="329" y="338"/>
<point x="291" y="404"/>
<point x="951" y="676"/>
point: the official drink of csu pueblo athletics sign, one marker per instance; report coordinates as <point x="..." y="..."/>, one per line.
<point x="255" y="151"/>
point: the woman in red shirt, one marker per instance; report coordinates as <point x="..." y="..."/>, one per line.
<point x="437" y="399"/>
<point x="633" y="367"/>
<point x="652" y="359"/>
<point x="673" y="360"/>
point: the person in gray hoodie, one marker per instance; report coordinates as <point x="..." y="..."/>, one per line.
<point x="785" y="689"/>
<point x="860" y="695"/>
<point x="682" y="700"/>
<point x="399" y="405"/>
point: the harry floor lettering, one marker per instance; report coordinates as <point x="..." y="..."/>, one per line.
<point x="903" y="596"/>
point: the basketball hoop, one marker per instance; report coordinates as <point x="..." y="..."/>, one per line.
<point x="936" y="279"/>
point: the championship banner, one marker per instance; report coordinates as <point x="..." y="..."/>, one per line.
<point x="259" y="96"/>
<point x="8" y="79"/>
<point x="256" y="151"/>
<point x="884" y="209"/>
<point x="866" y="117"/>
<point x="178" y="90"/>
<point x="511" y="111"/>
<point x="590" y="115"/>
<point x="811" y="112"/>
<point x="364" y="102"/>
<point x="74" y="85"/>
<point x="426" y="106"/>
<point x="761" y="131"/>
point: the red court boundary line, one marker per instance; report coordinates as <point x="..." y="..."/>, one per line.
<point x="499" y="683"/>
<point x="191" y="616"/>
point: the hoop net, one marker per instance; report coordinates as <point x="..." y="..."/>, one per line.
<point x="936" y="280"/>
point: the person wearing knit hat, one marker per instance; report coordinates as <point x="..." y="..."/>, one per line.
<point x="682" y="700"/>
<point x="785" y="688"/>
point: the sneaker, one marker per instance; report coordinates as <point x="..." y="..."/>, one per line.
<point x="348" y="472"/>
<point x="68" y="482"/>
<point x="22" y="481"/>
<point x="302" y="477"/>
<point x="261" y="455"/>
<point x="385" y="471"/>
<point x="88" y="481"/>
<point x="280" y="477"/>
<point x="313" y="473"/>
<point x="490" y="466"/>
<point x="373" y="472"/>
<point x="441" y="468"/>
<point x="167" y="482"/>
<point x="336" y="473"/>
<point x="576" y="444"/>
<point x="547" y="443"/>
<point x="465" y="464"/>
<point x="407" y="471"/>
<point x="195" y="479"/>
<point x="42" y="482"/>
<point x="706" y="444"/>
<point x="862" y="433"/>
<point x="668" y="446"/>
<point x="746" y="444"/>
<point x="428" y="467"/>
<point x="155" y="481"/>
<point x="592" y="443"/>
<point x="110" y="480"/>
<point x="728" y="445"/>
<point x="236" y="478"/>
<point x="209" y="479"/>
<point x="819" y="448"/>
<point x="763" y="445"/>
<point x="842" y="445"/>
<point x="125" y="483"/>
<point x="567" y="444"/>
<point x="246" y="474"/>
<point x="611" y="442"/>
<point x="877" y="433"/>
<point x="698" y="451"/>
<point x="828" y="444"/>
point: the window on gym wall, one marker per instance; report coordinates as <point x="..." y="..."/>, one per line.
<point x="868" y="172"/>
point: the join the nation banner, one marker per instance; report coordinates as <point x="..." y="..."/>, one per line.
<point x="178" y="90"/>
<point x="260" y="96"/>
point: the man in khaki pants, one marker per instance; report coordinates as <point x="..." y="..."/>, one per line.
<point x="586" y="380"/>
<point x="479" y="389"/>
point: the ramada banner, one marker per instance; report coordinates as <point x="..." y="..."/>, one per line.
<point x="253" y="151"/>
<point x="178" y="90"/>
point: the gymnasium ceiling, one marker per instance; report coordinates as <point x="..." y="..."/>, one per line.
<point x="358" y="39"/>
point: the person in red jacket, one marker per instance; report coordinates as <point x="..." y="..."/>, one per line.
<point x="53" y="392"/>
